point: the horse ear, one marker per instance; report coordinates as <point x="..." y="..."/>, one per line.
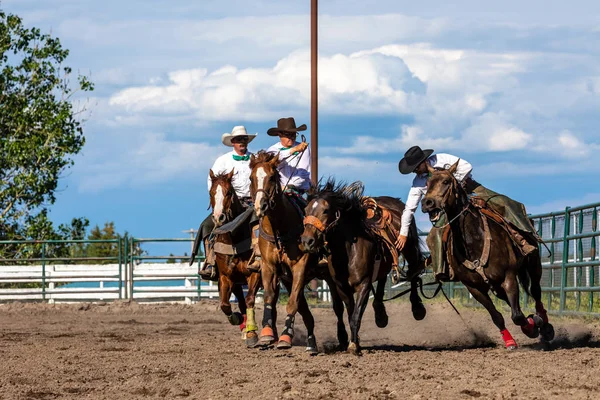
<point x="454" y="167"/>
<point x="252" y="158"/>
<point x="274" y="161"/>
<point x="430" y="169"/>
<point x="212" y="175"/>
<point x="230" y="175"/>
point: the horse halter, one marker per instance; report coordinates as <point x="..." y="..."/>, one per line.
<point x="445" y="199"/>
<point x="319" y="225"/>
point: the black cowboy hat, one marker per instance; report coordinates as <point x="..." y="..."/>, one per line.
<point x="286" y="125"/>
<point x="412" y="158"/>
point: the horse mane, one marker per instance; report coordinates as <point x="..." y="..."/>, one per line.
<point x="343" y="196"/>
<point x="262" y="156"/>
<point x="222" y="176"/>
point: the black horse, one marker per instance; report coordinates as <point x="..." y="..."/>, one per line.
<point x="336" y="224"/>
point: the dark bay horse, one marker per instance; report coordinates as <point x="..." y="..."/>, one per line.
<point x="233" y="273"/>
<point x="281" y="258"/>
<point x="483" y="242"/>
<point x="336" y="225"/>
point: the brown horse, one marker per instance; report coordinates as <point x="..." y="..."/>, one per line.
<point x="483" y="256"/>
<point x="282" y="259"/>
<point x="233" y="273"/>
<point x="336" y="225"/>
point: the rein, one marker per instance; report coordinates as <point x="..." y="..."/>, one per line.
<point x="440" y="288"/>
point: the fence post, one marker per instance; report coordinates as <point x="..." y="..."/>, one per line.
<point x="565" y="260"/>
<point x="44" y="271"/>
<point x="120" y="244"/>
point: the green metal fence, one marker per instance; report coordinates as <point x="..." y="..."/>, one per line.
<point x="570" y="264"/>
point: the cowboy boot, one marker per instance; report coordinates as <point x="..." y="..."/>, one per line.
<point x="525" y="246"/>
<point x="208" y="270"/>
<point x="436" y="258"/>
<point x="254" y="262"/>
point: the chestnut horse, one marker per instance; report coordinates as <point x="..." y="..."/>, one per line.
<point x="336" y="225"/>
<point x="482" y="242"/>
<point x="233" y="273"/>
<point x="282" y="259"/>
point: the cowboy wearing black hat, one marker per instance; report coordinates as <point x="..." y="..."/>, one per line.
<point x="416" y="160"/>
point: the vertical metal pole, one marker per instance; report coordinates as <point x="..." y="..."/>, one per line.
<point x="314" y="130"/>
<point x="120" y="244"/>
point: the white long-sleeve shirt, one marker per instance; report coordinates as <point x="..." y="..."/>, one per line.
<point x="241" y="175"/>
<point x="419" y="185"/>
<point x="300" y="174"/>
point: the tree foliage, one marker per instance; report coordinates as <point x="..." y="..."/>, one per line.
<point x="40" y="129"/>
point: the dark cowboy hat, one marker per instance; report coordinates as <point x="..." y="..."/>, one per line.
<point x="412" y="158"/>
<point x="286" y="125"/>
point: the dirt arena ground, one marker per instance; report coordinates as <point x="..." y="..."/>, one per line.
<point x="132" y="351"/>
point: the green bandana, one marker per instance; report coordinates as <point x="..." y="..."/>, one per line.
<point x="241" y="158"/>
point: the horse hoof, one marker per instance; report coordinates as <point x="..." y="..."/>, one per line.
<point x="285" y="342"/>
<point x="354" y="349"/>
<point x="311" y="345"/>
<point x="235" y="319"/>
<point x="547" y="332"/>
<point x="531" y="328"/>
<point x="381" y="318"/>
<point x="419" y="312"/>
<point x="343" y="346"/>
<point x="511" y="347"/>
<point x="251" y="339"/>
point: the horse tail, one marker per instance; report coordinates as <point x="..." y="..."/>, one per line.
<point x="525" y="275"/>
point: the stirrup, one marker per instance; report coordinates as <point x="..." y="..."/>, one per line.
<point x="395" y="273"/>
<point x="208" y="272"/>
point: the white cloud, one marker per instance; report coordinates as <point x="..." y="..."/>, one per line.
<point x="140" y="160"/>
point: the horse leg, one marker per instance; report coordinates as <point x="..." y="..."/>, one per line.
<point x="238" y="291"/>
<point x="355" y="320"/>
<point x="417" y="307"/>
<point x="269" y="280"/>
<point x="338" y="309"/>
<point x="484" y="299"/>
<point x="225" y="289"/>
<point x="534" y="268"/>
<point x="296" y="291"/>
<point x="251" y="326"/>
<point x="381" y="317"/>
<point x="511" y="288"/>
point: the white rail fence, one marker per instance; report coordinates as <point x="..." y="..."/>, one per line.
<point x="144" y="282"/>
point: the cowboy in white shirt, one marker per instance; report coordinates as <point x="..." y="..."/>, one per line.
<point x="294" y="168"/>
<point x="237" y="160"/>
<point x="416" y="160"/>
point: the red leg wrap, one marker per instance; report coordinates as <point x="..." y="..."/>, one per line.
<point x="528" y="329"/>
<point x="243" y="324"/>
<point x="508" y="339"/>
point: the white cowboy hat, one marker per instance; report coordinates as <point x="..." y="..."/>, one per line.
<point x="236" y="131"/>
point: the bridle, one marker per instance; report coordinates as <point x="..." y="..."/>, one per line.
<point x="321" y="227"/>
<point x="451" y="190"/>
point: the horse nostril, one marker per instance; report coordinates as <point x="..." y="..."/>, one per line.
<point x="428" y="203"/>
<point x="310" y="242"/>
<point x="222" y="218"/>
<point x="264" y="207"/>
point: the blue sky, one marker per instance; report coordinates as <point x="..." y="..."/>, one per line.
<point x="512" y="87"/>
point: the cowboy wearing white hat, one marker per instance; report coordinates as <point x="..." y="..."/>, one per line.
<point x="237" y="160"/>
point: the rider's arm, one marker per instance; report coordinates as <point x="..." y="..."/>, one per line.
<point x="447" y="160"/>
<point x="412" y="202"/>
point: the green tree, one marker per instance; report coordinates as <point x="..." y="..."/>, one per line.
<point x="40" y="129"/>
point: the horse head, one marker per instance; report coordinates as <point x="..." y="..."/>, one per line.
<point x="326" y="206"/>
<point x="222" y="197"/>
<point x="444" y="193"/>
<point x="264" y="181"/>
